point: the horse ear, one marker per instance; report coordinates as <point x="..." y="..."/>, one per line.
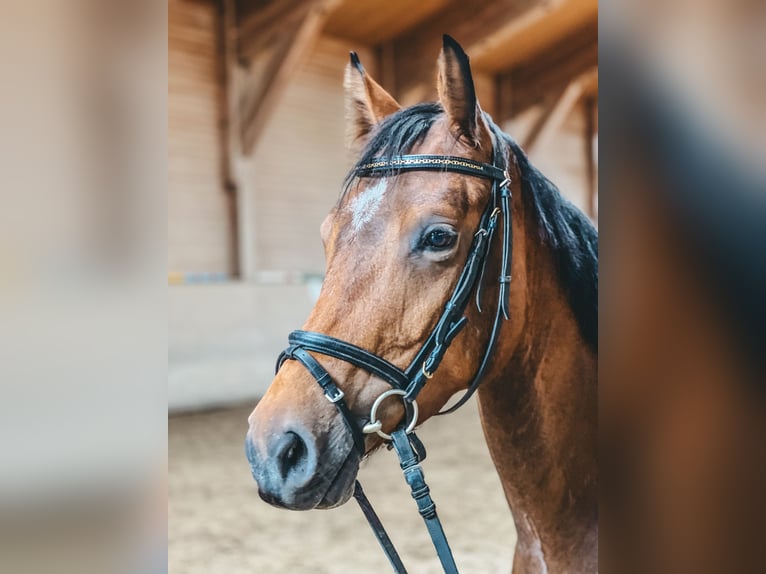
<point x="367" y="103"/>
<point x="458" y="95"/>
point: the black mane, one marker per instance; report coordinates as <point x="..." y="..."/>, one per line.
<point x="563" y="227"/>
<point x="571" y="236"/>
<point x="396" y="135"/>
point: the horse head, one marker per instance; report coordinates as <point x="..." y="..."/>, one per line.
<point x="395" y="248"/>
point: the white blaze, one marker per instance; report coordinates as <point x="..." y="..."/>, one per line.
<point x="366" y="204"/>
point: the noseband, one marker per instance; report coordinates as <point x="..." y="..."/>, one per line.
<point x="407" y="383"/>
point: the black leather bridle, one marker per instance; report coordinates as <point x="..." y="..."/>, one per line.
<point x="408" y="382"/>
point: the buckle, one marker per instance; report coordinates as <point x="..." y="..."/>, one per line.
<point x="490" y="224"/>
<point x="507" y="181"/>
<point x="333" y="394"/>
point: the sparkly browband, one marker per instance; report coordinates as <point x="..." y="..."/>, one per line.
<point x="420" y="162"/>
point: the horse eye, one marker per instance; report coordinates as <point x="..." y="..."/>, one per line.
<point x="438" y="239"/>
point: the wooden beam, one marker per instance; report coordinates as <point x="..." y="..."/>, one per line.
<point x="376" y="22"/>
<point x="224" y="49"/>
<point x="265" y="27"/>
<point x="240" y="168"/>
<point x="503" y="98"/>
<point x="385" y="73"/>
<point x="553" y="102"/>
<point x="531" y="33"/>
<point x="257" y="20"/>
<point x="555" y="117"/>
<point x="222" y="79"/>
<point x="554" y="69"/>
<point x="472" y="24"/>
<point x="485" y="92"/>
<point x="553" y="121"/>
<point x="255" y="103"/>
<point x="265" y="91"/>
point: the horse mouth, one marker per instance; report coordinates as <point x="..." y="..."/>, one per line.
<point x="342" y="485"/>
<point x="337" y="493"/>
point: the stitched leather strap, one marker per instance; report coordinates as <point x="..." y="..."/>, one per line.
<point x="330" y="389"/>
<point x="452" y="319"/>
<point x="413" y="474"/>
<point x="503" y="189"/>
<point x="333" y="347"/>
<point x="424" y="162"/>
<point x="505" y="272"/>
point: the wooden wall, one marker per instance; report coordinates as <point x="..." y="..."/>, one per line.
<point x="300" y="162"/>
<point x="563" y="157"/>
<point x="199" y="224"/>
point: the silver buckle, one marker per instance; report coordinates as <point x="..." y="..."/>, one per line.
<point x="334" y="398"/>
<point x="507" y="180"/>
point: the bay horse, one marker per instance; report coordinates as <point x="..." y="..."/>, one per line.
<point x="397" y="243"/>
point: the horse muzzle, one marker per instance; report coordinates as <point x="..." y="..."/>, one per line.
<point x="299" y="471"/>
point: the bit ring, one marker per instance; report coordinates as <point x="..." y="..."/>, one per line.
<point x="376" y="426"/>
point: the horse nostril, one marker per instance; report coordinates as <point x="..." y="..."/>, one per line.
<point x="293" y="456"/>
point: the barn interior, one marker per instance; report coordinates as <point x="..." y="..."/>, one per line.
<point x="256" y="158"/>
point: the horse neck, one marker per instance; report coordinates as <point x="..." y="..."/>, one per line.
<point x="538" y="406"/>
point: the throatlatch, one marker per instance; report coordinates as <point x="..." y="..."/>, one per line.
<point x="408" y="383"/>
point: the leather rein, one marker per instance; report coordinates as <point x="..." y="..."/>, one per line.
<point x="407" y="383"/>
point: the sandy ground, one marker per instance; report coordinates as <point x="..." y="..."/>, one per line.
<point x="219" y="525"/>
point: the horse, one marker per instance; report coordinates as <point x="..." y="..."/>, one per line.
<point x="396" y="245"/>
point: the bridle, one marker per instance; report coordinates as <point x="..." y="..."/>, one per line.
<point x="407" y="383"/>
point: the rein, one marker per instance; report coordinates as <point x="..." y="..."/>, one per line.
<point x="408" y="383"/>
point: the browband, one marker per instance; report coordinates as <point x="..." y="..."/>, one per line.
<point x="423" y="162"/>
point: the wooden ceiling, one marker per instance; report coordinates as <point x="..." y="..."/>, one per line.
<point x="498" y="34"/>
<point x="371" y="22"/>
<point x="531" y="34"/>
<point x="521" y="50"/>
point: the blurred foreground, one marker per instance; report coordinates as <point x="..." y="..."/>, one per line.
<point x="82" y="287"/>
<point x="683" y="278"/>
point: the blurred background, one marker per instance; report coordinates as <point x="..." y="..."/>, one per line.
<point x="256" y="159"/>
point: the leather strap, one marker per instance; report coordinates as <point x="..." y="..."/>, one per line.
<point x="452" y="319"/>
<point x="424" y="162"/>
<point x="413" y="474"/>
<point x="344" y="351"/>
<point x="501" y="191"/>
<point x="331" y="391"/>
<point x="377" y="528"/>
<point x="505" y="269"/>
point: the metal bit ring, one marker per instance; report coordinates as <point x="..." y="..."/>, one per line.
<point x="376" y="426"/>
